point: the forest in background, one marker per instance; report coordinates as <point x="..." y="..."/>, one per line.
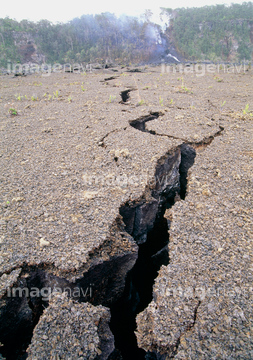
<point x="212" y="33"/>
<point x="90" y="38"/>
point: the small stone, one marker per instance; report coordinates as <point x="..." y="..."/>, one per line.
<point x="99" y="352"/>
<point x="206" y="192"/>
<point x="18" y="199"/>
<point x="91" y="347"/>
<point x="168" y="214"/>
<point x="89" y="194"/>
<point x="44" y="337"/>
<point x="48" y="130"/>
<point x="199" y="206"/>
<point x="44" y="242"/>
<point x="183" y="343"/>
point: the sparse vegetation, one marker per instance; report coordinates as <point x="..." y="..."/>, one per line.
<point x="19" y="97"/>
<point x="223" y="104"/>
<point x="112" y="98"/>
<point x="160" y="100"/>
<point x="183" y="88"/>
<point x="141" y="102"/>
<point x="56" y="94"/>
<point x="13" y="111"/>
<point x="218" y="79"/>
<point x="246" y="110"/>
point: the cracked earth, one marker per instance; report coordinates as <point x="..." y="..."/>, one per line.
<point x="132" y="192"/>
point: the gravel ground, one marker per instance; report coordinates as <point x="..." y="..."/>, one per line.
<point x="202" y="301"/>
<point x="68" y="328"/>
<point x="59" y="142"/>
<point x="70" y="160"/>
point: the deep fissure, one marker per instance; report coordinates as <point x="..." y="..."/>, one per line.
<point x="19" y="317"/>
<point x="102" y="284"/>
<point x="138" y="290"/>
<point x="152" y="254"/>
<point x="144" y="220"/>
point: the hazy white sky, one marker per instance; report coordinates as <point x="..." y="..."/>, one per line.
<point x="61" y="11"/>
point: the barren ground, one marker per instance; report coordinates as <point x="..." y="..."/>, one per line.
<point x="111" y="173"/>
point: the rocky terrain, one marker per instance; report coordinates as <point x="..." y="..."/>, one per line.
<point x="126" y="218"/>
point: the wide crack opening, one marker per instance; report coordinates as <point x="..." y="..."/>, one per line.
<point x="25" y="301"/>
<point x="21" y="314"/>
<point x="138" y="290"/>
<point x="152" y="254"/>
<point x="110" y="283"/>
<point x="16" y="338"/>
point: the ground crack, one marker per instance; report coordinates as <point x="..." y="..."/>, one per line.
<point x="140" y="124"/>
<point x="143" y="221"/>
<point x="125" y="95"/>
<point x="101" y="141"/>
<point x="189" y="327"/>
<point x="207" y="140"/>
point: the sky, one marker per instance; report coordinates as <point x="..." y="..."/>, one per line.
<point x="61" y="11"/>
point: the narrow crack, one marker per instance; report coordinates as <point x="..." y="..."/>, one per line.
<point x="110" y="78"/>
<point x="140" y="124"/>
<point x="101" y="141"/>
<point x="207" y="140"/>
<point x="153" y="132"/>
<point x="189" y="327"/>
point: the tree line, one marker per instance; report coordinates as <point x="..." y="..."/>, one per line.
<point x="208" y="33"/>
<point x="215" y="33"/>
<point x="90" y="38"/>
